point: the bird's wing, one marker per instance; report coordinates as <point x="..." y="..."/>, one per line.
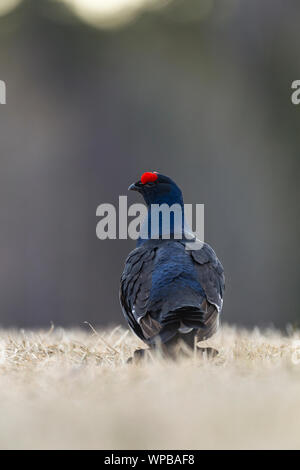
<point x="135" y="289"/>
<point x="210" y="274"/>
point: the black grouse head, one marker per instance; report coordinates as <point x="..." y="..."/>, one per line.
<point x="157" y="189"/>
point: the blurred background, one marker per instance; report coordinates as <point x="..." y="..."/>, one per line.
<point x="99" y="91"/>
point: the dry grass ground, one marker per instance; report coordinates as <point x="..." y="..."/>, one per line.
<point x="73" y="389"/>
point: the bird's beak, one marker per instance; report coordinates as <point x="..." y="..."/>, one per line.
<point x="134" y="187"/>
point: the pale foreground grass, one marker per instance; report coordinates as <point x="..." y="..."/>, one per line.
<point x="68" y="389"/>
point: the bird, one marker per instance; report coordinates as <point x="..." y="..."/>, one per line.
<point x="171" y="292"/>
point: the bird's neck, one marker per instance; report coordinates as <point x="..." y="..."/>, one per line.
<point x="165" y="220"/>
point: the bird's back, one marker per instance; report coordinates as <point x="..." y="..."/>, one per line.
<point x="174" y="281"/>
<point x="166" y="289"/>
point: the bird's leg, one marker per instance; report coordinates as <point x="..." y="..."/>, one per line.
<point x="177" y="350"/>
<point x="138" y="355"/>
<point x="209" y="352"/>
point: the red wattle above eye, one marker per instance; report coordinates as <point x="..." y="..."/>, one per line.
<point x="148" y="177"/>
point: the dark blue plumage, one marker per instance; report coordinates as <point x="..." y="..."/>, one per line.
<point x="168" y="292"/>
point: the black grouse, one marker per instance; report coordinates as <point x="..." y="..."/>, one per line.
<point x="171" y="291"/>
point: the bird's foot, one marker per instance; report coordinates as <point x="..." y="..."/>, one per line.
<point x="138" y="355"/>
<point x="141" y="354"/>
<point x="208" y="352"/>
